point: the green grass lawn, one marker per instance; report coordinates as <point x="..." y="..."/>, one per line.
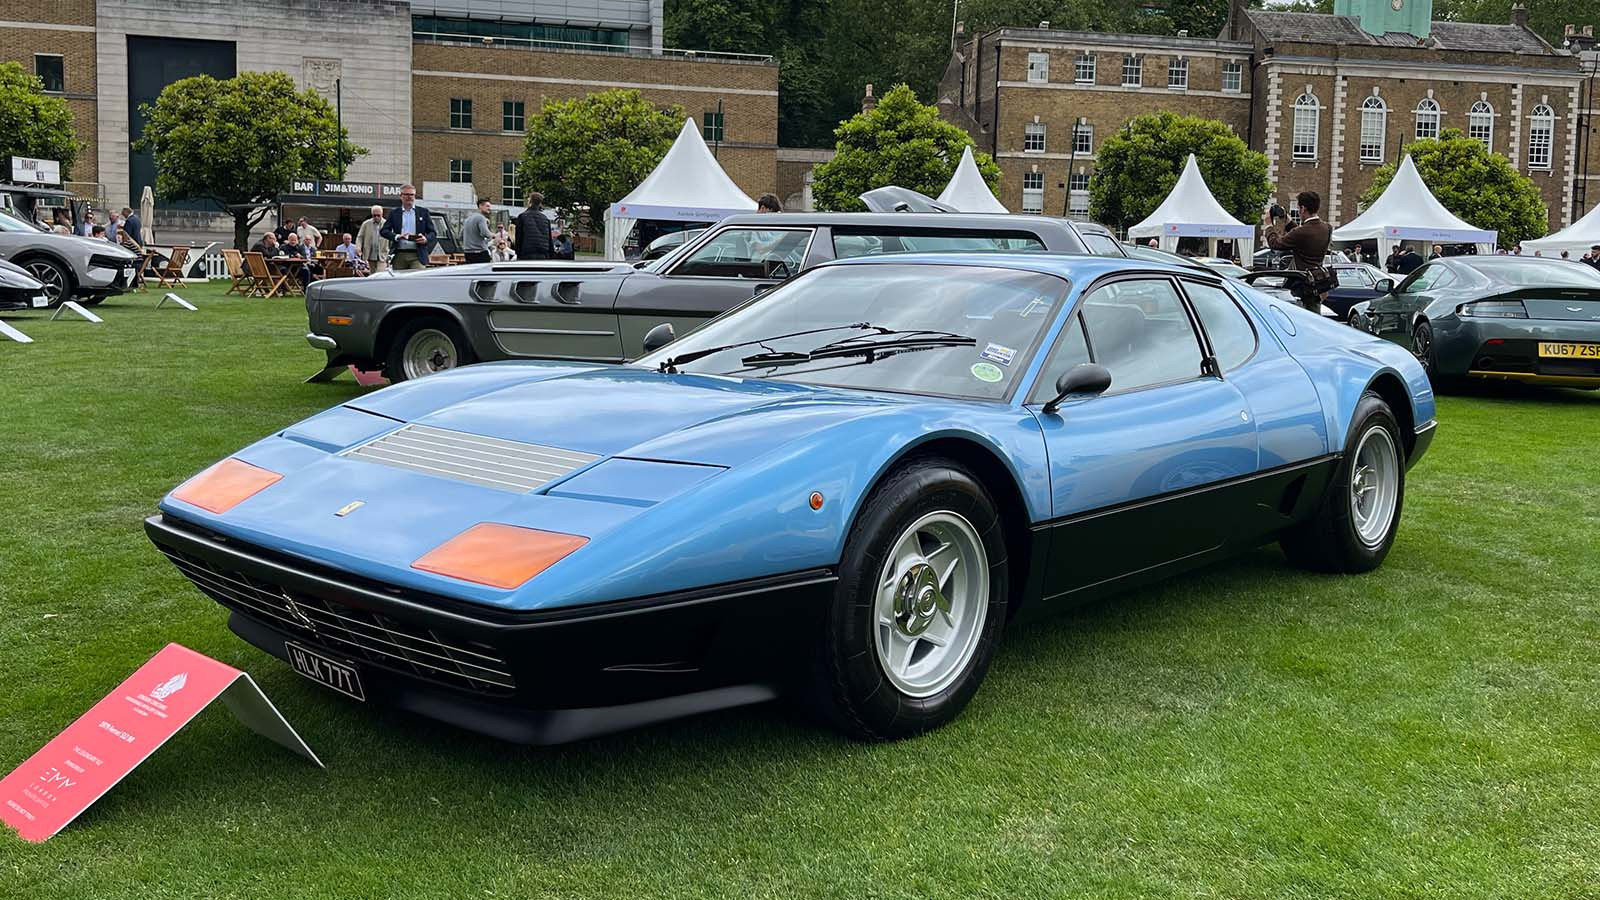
<point x="1430" y="730"/>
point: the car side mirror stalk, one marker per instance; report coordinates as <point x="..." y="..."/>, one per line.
<point x="1084" y="379"/>
<point x="659" y="337"/>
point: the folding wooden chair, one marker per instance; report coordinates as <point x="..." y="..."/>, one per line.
<point x="243" y="284"/>
<point x="264" y="282"/>
<point x="143" y="272"/>
<point x="171" y="274"/>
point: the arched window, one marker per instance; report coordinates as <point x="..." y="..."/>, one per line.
<point x="1427" y="119"/>
<point x="1374" y="121"/>
<point x="1307" y="125"/>
<point x="1541" y="136"/>
<point x="1480" y="124"/>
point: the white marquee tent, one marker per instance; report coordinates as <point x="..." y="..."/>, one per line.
<point x="687" y="186"/>
<point x="1191" y="211"/>
<point x="967" y="191"/>
<point x="1408" y="211"/>
<point x="1576" y="238"/>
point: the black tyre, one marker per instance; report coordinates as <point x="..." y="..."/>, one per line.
<point x="426" y="345"/>
<point x="1353" y="527"/>
<point x="920" y="604"/>
<point x="56" y="278"/>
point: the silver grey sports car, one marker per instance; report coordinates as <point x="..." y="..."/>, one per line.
<point x="418" y="323"/>
<point x="19" y="290"/>
<point x="1510" y="318"/>
<point x="70" y="268"/>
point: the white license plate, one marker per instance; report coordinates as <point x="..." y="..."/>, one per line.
<point x="41" y="301"/>
<point x="326" y="671"/>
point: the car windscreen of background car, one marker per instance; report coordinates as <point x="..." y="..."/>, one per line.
<point x="1004" y="311"/>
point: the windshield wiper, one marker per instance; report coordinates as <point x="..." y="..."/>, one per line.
<point x="670" y="365"/>
<point x="870" y="347"/>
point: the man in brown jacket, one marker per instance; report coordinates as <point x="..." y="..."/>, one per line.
<point x="1307" y="244"/>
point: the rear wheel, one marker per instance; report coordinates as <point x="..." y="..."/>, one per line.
<point x="55" y="277"/>
<point x="919" y="607"/>
<point x="424" y="346"/>
<point x="1354" y="526"/>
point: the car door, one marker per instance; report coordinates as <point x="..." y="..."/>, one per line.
<point x="1394" y="315"/>
<point x="730" y="267"/>
<point x="559" y="311"/>
<point x="1138" y="474"/>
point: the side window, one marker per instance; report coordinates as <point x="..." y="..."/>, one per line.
<point x="1353" y="276"/>
<point x="1139" y="330"/>
<point x="1422" y="279"/>
<point x="749" y="253"/>
<point x="1233" y="340"/>
<point x="1070" y="350"/>
<point x="1100" y="244"/>
<point x="867" y="243"/>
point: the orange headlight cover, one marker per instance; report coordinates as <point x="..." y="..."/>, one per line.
<point x="502" y="556"/>
<point x="226" y="485"/>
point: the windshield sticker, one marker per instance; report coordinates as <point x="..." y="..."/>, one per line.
<point x="1036" y="306"/>
<point x="987" y="372"/>
<point x="999" y="353"/>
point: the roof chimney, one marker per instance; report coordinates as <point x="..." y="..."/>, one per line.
<point x="868" y="102"/>
<point x="1519" y="15"/>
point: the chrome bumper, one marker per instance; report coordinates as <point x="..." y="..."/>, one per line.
<point x="322" y="342"/>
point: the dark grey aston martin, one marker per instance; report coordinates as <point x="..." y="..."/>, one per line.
<point x="1516" y="318"/>
<point x="418" y="323"/>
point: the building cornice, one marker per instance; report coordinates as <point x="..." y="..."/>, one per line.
<point x="1151" y="91"/>
<point x="1429" y="70"/>
<point x="585" y="82"/>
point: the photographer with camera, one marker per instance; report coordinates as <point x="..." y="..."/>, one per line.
<point x="1307" y="245"/>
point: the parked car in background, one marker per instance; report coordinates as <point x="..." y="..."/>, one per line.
<point x="846" y="490"/>
<point x="418" y="323"/>
<point x="1512" y="318"/>
<point x="1357" y="282"/>
<point x="1153" y="254"/>
<point x="1222" y="266"/>
<point x="667" y="243"/>
<point x="1268" y="259"/>
<point x="69" y="267"/>
<point x="19" y="290"/>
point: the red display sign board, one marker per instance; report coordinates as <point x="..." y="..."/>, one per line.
<point x="80" y="764"/>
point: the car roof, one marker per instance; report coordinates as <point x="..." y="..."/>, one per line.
<point x="1076" y="268"/>
<point x="994" y="221"/>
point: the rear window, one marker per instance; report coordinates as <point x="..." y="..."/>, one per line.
<point x="1101" y="244"/>
<point x="848" y="243"/>
<point x="1538" y="272"/>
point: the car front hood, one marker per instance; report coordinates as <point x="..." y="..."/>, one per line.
<point x="622" y="410"/>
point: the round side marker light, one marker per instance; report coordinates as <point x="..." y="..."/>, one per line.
<point x="816" y="500"/>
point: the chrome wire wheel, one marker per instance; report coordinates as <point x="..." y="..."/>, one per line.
<point x="1374" y="485"/>
<point x="427" y="351"/>
<point x="51" y="276"/>
<point x="932" y="599"/>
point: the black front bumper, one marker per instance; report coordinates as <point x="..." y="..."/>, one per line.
<point x="532" y="677"/>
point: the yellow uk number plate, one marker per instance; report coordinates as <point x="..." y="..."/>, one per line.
<point x="1569" y="351"/>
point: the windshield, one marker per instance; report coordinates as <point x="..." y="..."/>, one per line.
<point x="9" y="222"/>
<point x="922" y="307"/>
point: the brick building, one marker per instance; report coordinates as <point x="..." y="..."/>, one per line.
<point x="437" y="90"/>
<point x="1328" y="99"/>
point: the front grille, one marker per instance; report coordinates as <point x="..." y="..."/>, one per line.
<point x="475" y="459"/>
<point x="368" y="636"/>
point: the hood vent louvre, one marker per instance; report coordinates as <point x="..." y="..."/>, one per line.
<point x="475" y="459"/>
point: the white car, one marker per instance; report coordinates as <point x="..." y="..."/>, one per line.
<point x="69" y="267"/>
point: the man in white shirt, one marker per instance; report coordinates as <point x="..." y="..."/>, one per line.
<point x="309" y="235"/>
<point x="409" y="230"/>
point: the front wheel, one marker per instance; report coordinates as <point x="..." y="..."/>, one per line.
<point x="919" y="607"/>
<point x="54" y="276"/>
<point x="425" y="346"/>
<point x="1354" y="526"/>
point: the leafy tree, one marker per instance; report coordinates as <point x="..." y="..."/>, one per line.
<point x="1137" y="167"/>
<point x="32" y="124"/>
<point x="241" y="142"/>
<point x="901" y="141"/>
<point x="587" y="153"/>
<point x="1478" y="186"/>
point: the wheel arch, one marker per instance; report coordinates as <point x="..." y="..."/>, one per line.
<point x="33" y="253"/>
<point x="1388" y="386"/>
<point x="396" y="317"/>
<point x="985" y="462"/>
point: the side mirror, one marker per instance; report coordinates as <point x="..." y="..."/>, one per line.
<point x="1384" y="286"/>
<point x="659" y="337"/>
<point x="1087" y="379"/>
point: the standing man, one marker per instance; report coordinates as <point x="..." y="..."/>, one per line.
<point x="1438" y="252"/>
<point x="1407" y="262"/>
<point x="769" y="203"/>
<point x="1594" y="256"/>
<point x="409" y="231"/>
<point x="370" y="243"/>
<point x="475" y="234"/>
<point x="132" y="226"/>
<point x="1307" y="245"/>
<point x="88" y="226"/>
<point x="310" y="235"/>
<point x="533" y="230"/>
<point x="113" y="227"/>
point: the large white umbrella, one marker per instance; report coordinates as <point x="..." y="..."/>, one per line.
<point x="147" y="216"/>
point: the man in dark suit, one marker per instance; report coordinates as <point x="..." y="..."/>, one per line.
<point x="1407" y="262"/>
<point x="533" y="231"/>
<point x="409" y="231"/>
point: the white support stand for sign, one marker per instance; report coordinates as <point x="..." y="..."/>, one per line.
<point x="14" y="334"/>
<point x="72" y="306"/>
<point x="174" y="298"/>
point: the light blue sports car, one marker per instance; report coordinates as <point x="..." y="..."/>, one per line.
<point x="842" y="490"/>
